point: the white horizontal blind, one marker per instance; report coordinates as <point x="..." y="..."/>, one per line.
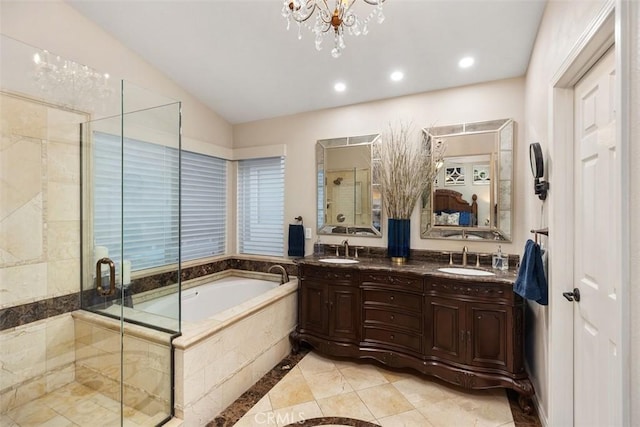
<point x="204" y="209"/>
<point x="261" y="206"/>
<point x="149" y="200"/>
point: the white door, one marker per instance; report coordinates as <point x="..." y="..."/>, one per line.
<point x="597" y="272"/>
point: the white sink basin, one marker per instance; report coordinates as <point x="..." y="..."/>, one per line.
<point x="466" y="271"/>
<point x="339" y="260"/>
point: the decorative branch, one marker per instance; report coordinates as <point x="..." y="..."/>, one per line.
<point x="408" y="166"/>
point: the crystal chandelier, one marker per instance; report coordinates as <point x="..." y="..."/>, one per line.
<point x="337" y="18"/>
<point x="68" y="82"/>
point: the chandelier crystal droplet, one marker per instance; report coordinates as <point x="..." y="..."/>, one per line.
<point x="339" y="18"/>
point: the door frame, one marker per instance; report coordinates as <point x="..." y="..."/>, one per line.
<point x="611" y="27"/>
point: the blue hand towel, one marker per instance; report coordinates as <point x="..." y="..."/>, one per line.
<point x="532" y="281"/>
<point x="296" y="240"/>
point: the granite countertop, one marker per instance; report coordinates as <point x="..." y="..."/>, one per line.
<point x="421" y="267"/>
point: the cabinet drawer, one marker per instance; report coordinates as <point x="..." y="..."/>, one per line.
<point x="332" y="274"/>
<point x="393" y="280"/>
<point x="374" y="317"/>
<point x="480" y="290"/>
<point x="393" y="338"/>
<point x="393" y="298"/>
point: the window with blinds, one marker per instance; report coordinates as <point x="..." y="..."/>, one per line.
<point x="261" y="206"/>
<point x="136" y="200"/>
<point x="137" y="188"/>
<point x="204" y="208"/>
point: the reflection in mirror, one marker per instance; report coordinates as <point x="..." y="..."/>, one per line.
<point x="471" y="197"/>
<point x="348" y="199"/>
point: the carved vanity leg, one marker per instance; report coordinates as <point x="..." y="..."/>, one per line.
<point x="525" y="404"/>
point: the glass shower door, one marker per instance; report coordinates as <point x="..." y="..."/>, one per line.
<point x="131" y="253"/>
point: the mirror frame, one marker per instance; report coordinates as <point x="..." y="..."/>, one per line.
<point x="501" y="188"/>
<point x="375" y="197"/>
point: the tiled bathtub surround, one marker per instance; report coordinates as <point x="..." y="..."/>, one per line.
<point x="216" y="363"/>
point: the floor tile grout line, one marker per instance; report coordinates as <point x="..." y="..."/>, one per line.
<point x="513" y="409"/>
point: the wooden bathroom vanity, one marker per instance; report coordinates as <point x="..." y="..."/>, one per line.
<point x="466" y="330"/>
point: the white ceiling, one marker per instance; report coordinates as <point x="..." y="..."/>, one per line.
<point x="237" y="57"/>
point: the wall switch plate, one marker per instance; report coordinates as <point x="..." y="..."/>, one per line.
<point x="307" y="233"/>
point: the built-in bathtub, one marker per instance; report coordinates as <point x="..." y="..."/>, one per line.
<point x="210" y="298"/>
<point x="226" y="346"/>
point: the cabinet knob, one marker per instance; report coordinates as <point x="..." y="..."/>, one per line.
<point x="391" y="336"/>
<point x="391" y="298"/>
<point x="392" y="317"/>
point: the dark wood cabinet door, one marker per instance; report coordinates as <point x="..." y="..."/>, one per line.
<point x="489" y="336"/>
<point x="312" y="313"/>
<point x="344" y="307"/>
<point x="445" y="331"/>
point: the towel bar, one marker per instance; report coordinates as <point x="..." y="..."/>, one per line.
<point x="540" y="231"/>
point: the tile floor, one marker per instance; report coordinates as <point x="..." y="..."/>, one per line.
<point x="75" y="405"/>
<point x="320" y="387"/>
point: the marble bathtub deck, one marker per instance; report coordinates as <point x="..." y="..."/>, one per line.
<point x="327" y="391"/>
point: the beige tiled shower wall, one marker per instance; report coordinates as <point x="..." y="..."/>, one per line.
<point x="39" y="241"/>
<point x="36" y="359"/>
<point x="39" y="201"/>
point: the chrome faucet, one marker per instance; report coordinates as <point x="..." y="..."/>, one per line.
<point x="284" y="277"/>
<point x="345" y="243"/>
<point x="465" y="250"/>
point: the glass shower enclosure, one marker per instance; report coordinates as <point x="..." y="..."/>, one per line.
<point x="131" y="252"/>
<point x="95" y="162"/>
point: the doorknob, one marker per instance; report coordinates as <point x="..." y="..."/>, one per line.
<point x="571" y="296"/>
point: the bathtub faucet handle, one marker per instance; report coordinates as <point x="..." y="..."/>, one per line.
<point x="284" y="276"/>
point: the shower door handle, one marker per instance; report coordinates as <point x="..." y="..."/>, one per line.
<point x="112" y="277"/>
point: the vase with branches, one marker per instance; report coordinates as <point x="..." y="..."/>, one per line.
<point x="408" y="166"/>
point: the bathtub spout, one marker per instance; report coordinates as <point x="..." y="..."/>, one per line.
<point x="284" y="277"/>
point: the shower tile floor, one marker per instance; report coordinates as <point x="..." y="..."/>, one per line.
<point x="326" y="391"/>
<point x="75" y="405"/>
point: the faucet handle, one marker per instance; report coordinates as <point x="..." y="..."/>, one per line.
<point x="478" y="259"/>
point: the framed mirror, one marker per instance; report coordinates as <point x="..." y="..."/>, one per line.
<point x="349" y="199"/>
<point x="472" y="195"/>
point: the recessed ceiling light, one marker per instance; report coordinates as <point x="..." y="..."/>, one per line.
<point x="340" y="87"/>
<point x="466" y="62"/>
<point x="396" y="76"/>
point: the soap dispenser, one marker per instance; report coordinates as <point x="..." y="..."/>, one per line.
<point x="318" y="249"/>
<point x="500" y="261"/>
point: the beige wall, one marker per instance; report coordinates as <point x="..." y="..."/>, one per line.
<point x="57" y="27"/>
<point x="563" y="24"/>
<point x="494" y="100"/>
